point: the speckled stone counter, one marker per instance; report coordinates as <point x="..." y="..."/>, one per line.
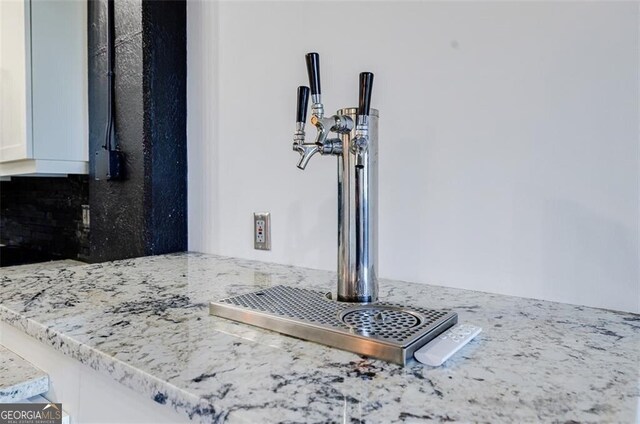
<point x="145" y="323"/>
<point x="17" y="270"/>
<point x="19" y="379"/>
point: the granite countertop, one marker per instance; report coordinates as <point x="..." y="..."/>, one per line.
<point x="145" y="323"/>
<point x="16" y="270"/>
<point x="19" y="379"/>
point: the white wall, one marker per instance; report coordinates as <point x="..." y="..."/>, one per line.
<point x="508" y="139"/>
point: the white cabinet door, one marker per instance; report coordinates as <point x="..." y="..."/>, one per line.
<point x="15" y="81"/>
<point x="59" y="79"/>
<point x="43" y="87"/>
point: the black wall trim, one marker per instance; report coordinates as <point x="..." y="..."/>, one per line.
<point x="146" y="213"/>
<point x="164" y="47"/>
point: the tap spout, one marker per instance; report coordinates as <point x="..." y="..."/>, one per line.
<point x="360" y="142"/>
<point x="321" y="143"/>
<point x="306" y="152"/>
<point x="359" y="147"/>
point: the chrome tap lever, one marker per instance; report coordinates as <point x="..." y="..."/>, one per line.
<point x="360" y="141"/>
<point x="313" y="70"/>
<point x="324" y="125"/>
<point x="301" y="112"/>
<point x="306" y="150"/>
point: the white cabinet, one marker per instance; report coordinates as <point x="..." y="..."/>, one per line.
<point x="43" y="87"/>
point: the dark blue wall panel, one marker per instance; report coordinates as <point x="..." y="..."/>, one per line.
<point x="146" y="212"/>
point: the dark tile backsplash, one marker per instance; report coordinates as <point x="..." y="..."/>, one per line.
<point x="42" y="216"/>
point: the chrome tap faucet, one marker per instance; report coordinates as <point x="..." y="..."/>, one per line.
<point x="357" y="156"/>
<point x="306" y="150"/>
<point x="336" y="123"/>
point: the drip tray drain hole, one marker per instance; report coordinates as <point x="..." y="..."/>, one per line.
<point x="383" y="321"/>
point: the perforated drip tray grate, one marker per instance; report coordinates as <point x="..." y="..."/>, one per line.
<point x="379" y="330"/>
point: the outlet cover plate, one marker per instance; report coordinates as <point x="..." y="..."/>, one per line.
<point x="262" y="230"/>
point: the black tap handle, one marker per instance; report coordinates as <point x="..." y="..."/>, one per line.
<point x="313" y="69"/>
<point x="303" y="101"/>
<point x="366" y="84"/>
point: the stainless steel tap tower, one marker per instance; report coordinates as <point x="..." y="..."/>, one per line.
<point x="355" y="321"/>
<point x="356" y="147"/>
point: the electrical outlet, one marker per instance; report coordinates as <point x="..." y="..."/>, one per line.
<point x="262" y="230"/>
<point x="85" y="217"/>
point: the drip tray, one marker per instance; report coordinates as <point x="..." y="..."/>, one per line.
<point x="379" y="330"/>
